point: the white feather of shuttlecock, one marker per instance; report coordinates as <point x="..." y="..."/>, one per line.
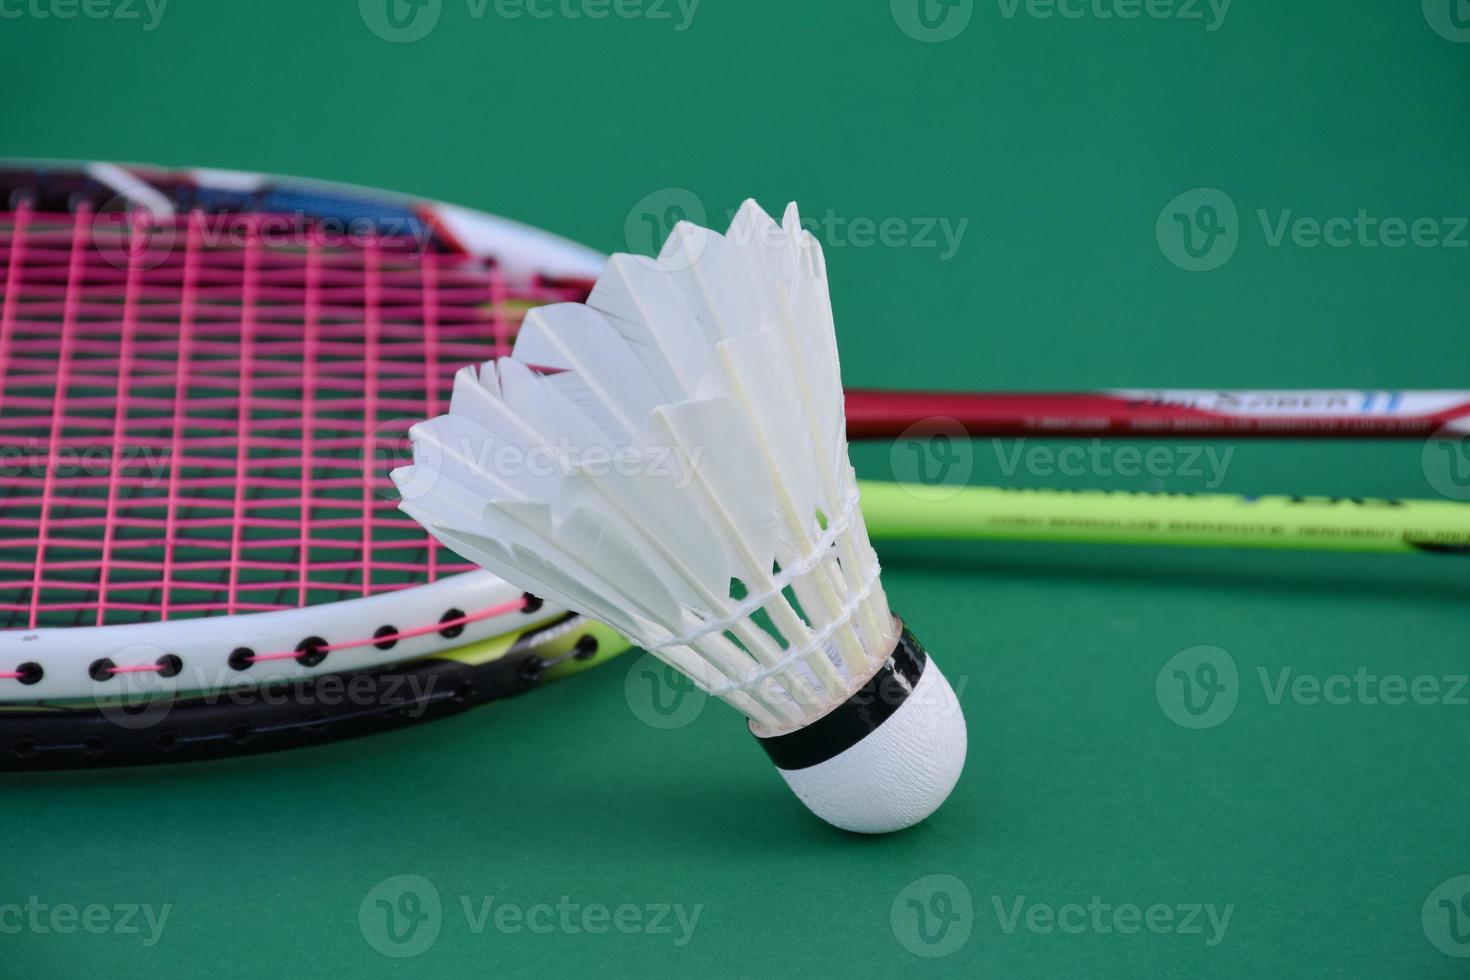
<point x="681" y="431"/>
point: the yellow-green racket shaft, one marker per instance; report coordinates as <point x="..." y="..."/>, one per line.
<point x="894" y="510"/>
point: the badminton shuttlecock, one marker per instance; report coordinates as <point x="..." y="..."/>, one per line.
<point x="671" y="458"/>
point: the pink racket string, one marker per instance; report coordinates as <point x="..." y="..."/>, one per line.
<point x="197" y="415"/>
<point x="377" y="639"/>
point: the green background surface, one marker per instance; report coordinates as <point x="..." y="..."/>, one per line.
<point x="1059" y="141"/>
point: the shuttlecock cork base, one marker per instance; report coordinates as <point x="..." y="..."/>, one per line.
<point x="885" y="758"/>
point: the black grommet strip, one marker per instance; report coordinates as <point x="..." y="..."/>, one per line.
<point x="30" y="673"/>
<point x="857" y="717"/>
<point x="169" y="665"/>
<point x="388" y="631"/>
<point x="242" y="658"/>
<point x="264" y="719"/>
<point x="450" y="632"/>
<point x="101" y="670"/>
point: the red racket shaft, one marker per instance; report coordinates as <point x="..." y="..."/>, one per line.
<point x="1321" y="414"/>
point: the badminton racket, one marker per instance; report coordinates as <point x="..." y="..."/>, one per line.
<point x="1186" y="520"/>
<point x="198" y="374"/>
<point x="1199" y="414"/>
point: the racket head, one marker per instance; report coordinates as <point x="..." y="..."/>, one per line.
<point x="205" y="377"/>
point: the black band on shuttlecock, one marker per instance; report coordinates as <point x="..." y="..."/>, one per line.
<point x="854" y="719"/>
